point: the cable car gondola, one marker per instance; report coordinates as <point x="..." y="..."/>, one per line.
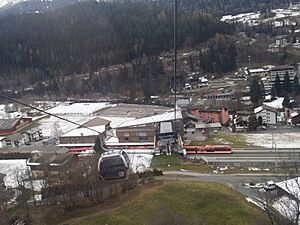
<point x="113" y="165"/>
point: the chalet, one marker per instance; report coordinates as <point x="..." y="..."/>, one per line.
<point x="50" y="162"/>
<point x="9" y="126"/>
<point x="34" y="134"/>
<point x="83" y="136"/>
<point x="267" y="113"/>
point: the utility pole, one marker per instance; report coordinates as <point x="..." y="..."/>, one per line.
<point x="175" y="58"/>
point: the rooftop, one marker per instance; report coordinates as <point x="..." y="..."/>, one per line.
<point x="6" y="124"/>
<point x="168" y="116"/>
<point x="78" y="132"/>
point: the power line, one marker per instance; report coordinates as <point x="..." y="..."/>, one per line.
<point x="50" y="114"/>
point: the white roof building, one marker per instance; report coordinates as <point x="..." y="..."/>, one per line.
<point x="79" y="132"/>
<point x="168" y="116"/>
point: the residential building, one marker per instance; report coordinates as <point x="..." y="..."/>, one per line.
<point x="34" y="134"/>
<point x="211" y="116"/>
<point x="261" y="72"/>
<point x="267" y="113"/>
<point x="281" y="71"/>
<point x="14" y="140"/>
<point x="50" y="162"/>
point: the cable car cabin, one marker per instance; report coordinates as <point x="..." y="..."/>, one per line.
<point x="208" y="149"/>
<point x="113" y="165"/>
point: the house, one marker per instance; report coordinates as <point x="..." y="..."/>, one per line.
<point x="144" y="129"/>
<point x="268" y="114"/>
<point x="85" y="136"/>
<point x="14" y="140"/>
<point x="210" y="115"/>
<point x="34" y="134"/>
<point x="50" y="162"/>
<point x="9" y="126"/>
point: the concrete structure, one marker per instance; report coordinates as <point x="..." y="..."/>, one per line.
<point x="82" y="136"/>
<point x="144" y="129"/>
<point x="267" y="113"/>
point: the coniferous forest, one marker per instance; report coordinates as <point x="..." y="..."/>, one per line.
<point x="44" y="50"/>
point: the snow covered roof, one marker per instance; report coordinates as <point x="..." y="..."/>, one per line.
<point x="294" y="114"/>
<point x="258" y="70"/>
<point x="277" y="104"/>
<point x="78" y="132"/>
<point x="79" y="108"/>
<point x="291" y="186"/>
<point x="264" y="107"/>
<point x="168" y="116"/>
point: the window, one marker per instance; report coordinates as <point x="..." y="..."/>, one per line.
<point x="72" y="140"/>
<point x="143" y="138"/>
<point x="126" y="134"/>
<point x="142" y="134"/>
<point x="77" y="140"/>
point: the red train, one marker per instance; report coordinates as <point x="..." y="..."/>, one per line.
<point x="208" y="149"/>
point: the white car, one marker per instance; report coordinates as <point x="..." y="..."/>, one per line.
<point x="269" y="186"/>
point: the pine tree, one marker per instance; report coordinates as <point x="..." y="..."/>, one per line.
<point x="296" y="87"/>
<point x="287" y="88"/>
<point x="278" y="85"/>
<point x="273" y="93"/>
<point x="255" y="92"/>
<point x="98" y="147"/>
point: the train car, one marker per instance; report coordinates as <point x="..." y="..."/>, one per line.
<point x="208" y="149"/>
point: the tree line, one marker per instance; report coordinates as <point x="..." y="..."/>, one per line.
<point x="87" y="36"/>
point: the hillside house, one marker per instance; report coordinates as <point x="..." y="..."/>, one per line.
<point x="34" y="134"/>
<point x="50" y="163"/>
<point x="267" y="113"/>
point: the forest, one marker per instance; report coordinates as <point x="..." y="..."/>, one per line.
<point x="85" y="37"/>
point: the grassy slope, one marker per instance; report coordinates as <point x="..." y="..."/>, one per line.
<point x="209" y="202"/>
<point x="235" y="140"/>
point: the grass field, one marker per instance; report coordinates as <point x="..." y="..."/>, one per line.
<point x="179" y="203"/>
<point x="235" y="140"/>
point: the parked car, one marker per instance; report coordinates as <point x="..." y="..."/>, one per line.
<point x="269" y="186"/>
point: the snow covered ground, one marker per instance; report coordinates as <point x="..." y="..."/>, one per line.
<point x="287" y="207"/>
<point x="280" y="140"/>
<point x="79" y="109"/>
<point x="13" y="169"/>
<point x="140" y="162"/>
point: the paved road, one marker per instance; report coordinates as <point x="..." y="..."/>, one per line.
<point x="235" y="181"/>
